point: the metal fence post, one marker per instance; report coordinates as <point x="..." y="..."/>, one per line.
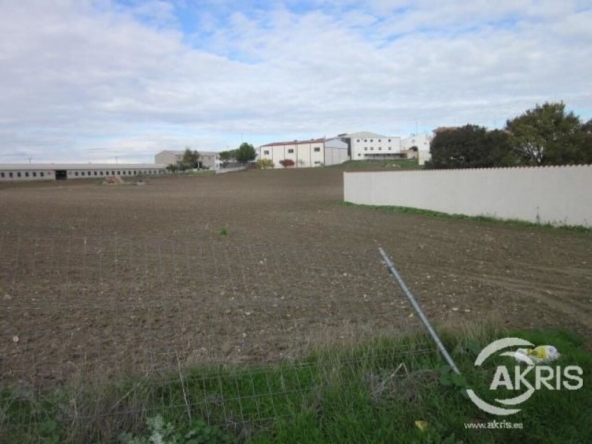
<point x="418" y="310"/>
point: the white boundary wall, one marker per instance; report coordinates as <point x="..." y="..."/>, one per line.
<point x="557" y="195"/>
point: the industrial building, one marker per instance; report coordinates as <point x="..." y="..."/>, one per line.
<point x="366" y="145"/>
<point x="51" y="171"/>
<point x="306" y="153"/>
<point x="371" y="146"/>
<point x="206" y="158"/>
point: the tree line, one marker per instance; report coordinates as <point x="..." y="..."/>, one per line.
<point x="544" y="135"/>
<point x="243" y="154"/>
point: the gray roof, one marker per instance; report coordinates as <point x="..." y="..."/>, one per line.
<point x="77" y="166"/>
<point x="366" y="135"/>
<point x="201" y="153"/>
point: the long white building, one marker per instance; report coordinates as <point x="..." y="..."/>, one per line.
<point x="65" y="171"/>
<point x="306" y="153"/>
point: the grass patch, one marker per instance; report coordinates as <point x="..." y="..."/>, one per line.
<point x="488" y="219"/>
<point x="373" y="165"/>
<point x="372" y="392"/>
<point x="193" y="173"/>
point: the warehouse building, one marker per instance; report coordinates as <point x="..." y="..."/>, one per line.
<point x="207" y="159"/>
<point x="306" y="153"/>
<point x="45" y="171"/>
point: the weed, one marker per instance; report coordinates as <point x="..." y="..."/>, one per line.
<point x="159" y="431"/>
<point x="368" y="392"/>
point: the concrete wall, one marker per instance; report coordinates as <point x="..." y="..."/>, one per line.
<point x="335" y="156"/>
<point x="557" y="195"/>
<point x="423" y="157"/>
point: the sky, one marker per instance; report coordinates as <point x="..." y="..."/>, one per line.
<point x="92" y="80"/>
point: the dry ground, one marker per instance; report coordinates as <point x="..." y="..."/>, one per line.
<point x="107" y="280"/>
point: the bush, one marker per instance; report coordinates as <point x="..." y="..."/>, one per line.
<point x="287" y="163"/>
<point x="263" y="164"/>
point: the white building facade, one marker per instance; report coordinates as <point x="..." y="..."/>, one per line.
<point x="31" y="172"/>
<point x="422" y="143"/>
<point x="305" y="153"/>
<point x="366" y="145"/>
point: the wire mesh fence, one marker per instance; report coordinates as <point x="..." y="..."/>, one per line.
<point x="199" y="327"/>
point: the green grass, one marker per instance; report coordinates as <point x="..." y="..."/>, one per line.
<point x="354" y="394"/>
<point x="374" y="165"/>
<point x="487" y="219"/>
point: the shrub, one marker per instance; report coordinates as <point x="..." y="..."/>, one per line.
<point x="263" y="164"/>
<point x="287" y="163"/>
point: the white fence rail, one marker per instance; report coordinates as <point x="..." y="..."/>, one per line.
<point x="556" y="195"/>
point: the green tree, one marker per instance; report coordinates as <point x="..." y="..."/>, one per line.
<point x="547" y="135"/>
<point x="470" y="146"/>
<point x="245" y="153"/>
<point x="190" y="159"/>
<point x="586" y="143"/>
<point x="227" y="156"/>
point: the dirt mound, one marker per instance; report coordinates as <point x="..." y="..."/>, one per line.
<point x="113" y="180"/>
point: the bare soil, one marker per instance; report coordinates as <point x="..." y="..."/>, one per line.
<point x="252" y="267"/>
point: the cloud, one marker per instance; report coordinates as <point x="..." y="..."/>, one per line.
<point x="129" y="78"/>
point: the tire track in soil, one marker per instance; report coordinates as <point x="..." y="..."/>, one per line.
<point x="578" y="311"/>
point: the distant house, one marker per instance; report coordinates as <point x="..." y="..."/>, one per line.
<point x="206" y="158"/>
<point x="305" y="153"/>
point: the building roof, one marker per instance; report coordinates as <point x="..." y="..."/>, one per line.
<point x="76" y="166"/>
<point x="367" y="135"/>
<point x="170" y="152"/>
<point x="295" y="142"/>
<point x="201" y="153"/>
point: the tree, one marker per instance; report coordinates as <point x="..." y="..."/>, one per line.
<point x="547" y="135"/>
<point x="172" y="168"/>
<point x="245" y="153"/>
<point x="586" y="143"/>
<point x="190" y="159"/>
<point x="227" y="156"/>
<point x="470" y="146"/>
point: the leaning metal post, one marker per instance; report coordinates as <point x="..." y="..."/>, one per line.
<point x="418" y="310"/>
